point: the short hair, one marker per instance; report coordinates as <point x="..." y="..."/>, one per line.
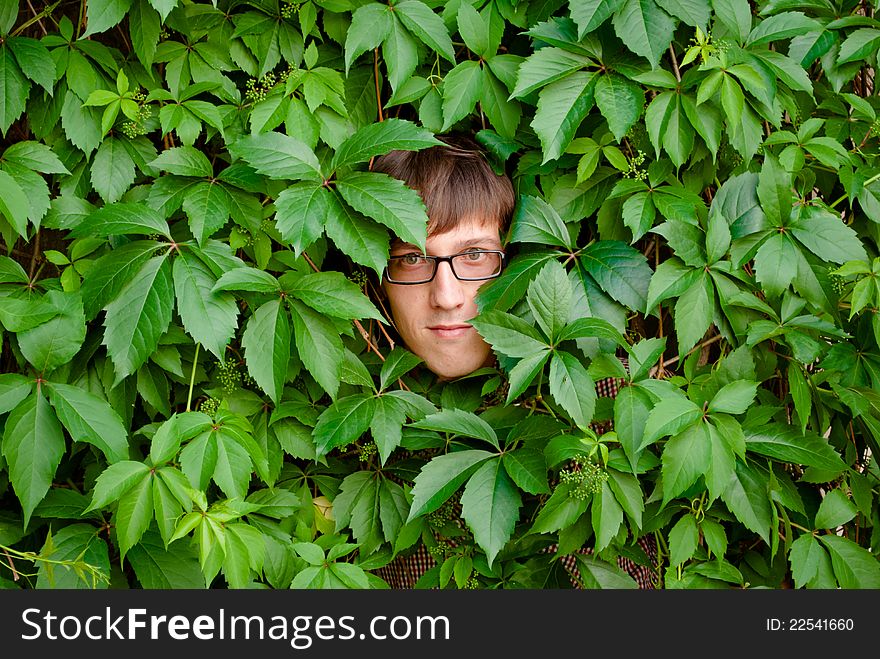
<point x="454" y="180"/>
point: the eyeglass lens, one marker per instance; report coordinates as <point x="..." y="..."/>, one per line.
<point x="468" y="265"/>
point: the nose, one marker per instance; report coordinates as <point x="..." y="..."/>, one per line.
<point x="447" y="292"/>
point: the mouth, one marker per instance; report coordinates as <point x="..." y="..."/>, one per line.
<point x="450" y="331"/>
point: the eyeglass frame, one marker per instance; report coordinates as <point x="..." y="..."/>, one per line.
<point x="437" y="260"/>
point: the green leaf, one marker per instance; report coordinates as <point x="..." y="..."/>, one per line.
<point x="460" y="423"/>
<point x="73" y="543"/>
<point x="572" y="388"/>
<point x="247" y="279"/>
<point x="805" y="556"/>
<point x="179" y="428"/>
<point x="184" y="161"/>
<point x="116" y="480"/>
<point x="562" y="106"/>
<point x="782" y="26"/>
<point x="91" y="419"/>
<point x="144" y="27"/>
<point x="620" y="270"/>
<point x="380" y="138"/>
<point x="559" y="511"/>
<point x="528" y="469"/>
<point x="122" y="219"/>
<point x="14" y="204"/>
<point x="683" y="539"/>
<point x="156" y="567"/>
<point x="278" y="156"/>
<point x="590" y="14"/>
<point x="33" y="445"/>
<point x="461" y="91"/>
<point x="788" y="445"/>
<point x="300" y="213"/>
<point x="826" y="236"/>
<point x="386" y="426"/>
<point x="112" y="272"/>
<point x="502" y="113"/>
<point x="549" y="299"/>
<point x="776" y="264"/>
<point x="56" y="341"/>
<point x="596" y="573"/>
<point x="628" y="493"/>
<point x="398" y="362"/>
<point x="607" y="516"/>
<point x="232" y="471"/>
<point x="694" y="313"/>
<point x="536" y="221"/>
<point x="331" y="293"/>
<point x="210" y="318"/>
<point x="490" y="505"/>
<point x="545" y="66"/>
<point x="509" y="334"/>
<point x="525" y="371"/>
<point x="835" y="510"/>
<point x="112" y="170"/>
<point x="854" y="566"/>
<point x="319" y="346"/>
<point x="401" y="55"/>
<point x="644" y="28"/>
<point x="36" y="156"/>
<point x="14" y="90"/>
<point x="138" y="317"/>
<point x="370" y="25"/>
<point x="859" y="45"/>
<point x="746" y="497"/>
<point x="134" y="514"/>
<point x="582" y="328"/>
<point x="692" y="12"/>
<point x="104" y="14"/>
<point x="426" y="25"/>
<point x="14" y="388"/>
<point x="685" y="458"/>
<point x="734" y="397"/>
<point x="266" y="343"/>
<point x="343" y="422"/>
<point x="631" y="409"/>
<point x="670" y="279"/>
<point x="388" y="201"/>
<point x="364" y="241"/>
<point x="441" y="477"/>
<point x="620" y="102"/>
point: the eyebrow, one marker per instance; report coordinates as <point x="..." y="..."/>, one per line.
<point x="480" y="240"/>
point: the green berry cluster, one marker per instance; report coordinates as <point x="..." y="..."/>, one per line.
<point x="838" y="283"/>
<point x="584" y="476"/>
<point x="228" y="375"/>
<point x="635" y="167"/>
<point x="209" y="406"/>
<point x="443" y="515"/>
<point x="359" y="279"/>
<point x="875" y="127"/>
<point x="288" y="9"/>
<point x="135" y="127"/>
<point x="258" y="89"/>
<point x="440" y="550"/>
<point x="472" y="583"/>
<point x="367" y="451"/>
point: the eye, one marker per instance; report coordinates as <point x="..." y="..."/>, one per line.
<point x="411" y="259"/>
<point x="475" y="256"/>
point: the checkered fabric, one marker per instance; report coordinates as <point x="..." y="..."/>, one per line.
<point x="405" y="571"/>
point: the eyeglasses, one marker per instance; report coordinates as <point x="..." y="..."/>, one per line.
<point x="476" y="265"/>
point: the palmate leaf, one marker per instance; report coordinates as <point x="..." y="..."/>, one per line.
<point x="300" y="213"/>
<point x="490" y="505"/>
<point x="14" y="89"/>
<point x="360" y="238"/>
<point x="685" y="458"/>
<point x="207" y="207"/>
<point x="72" y="543"/>
<point x="139" y="316"/>
<point x="386" y="426"/>
<point x="210" y="318"/>
<point x="645" y="28"/>
<point x="278" y="156"/>
<point x="14" y="205"/>
<point x="331" y="293"/>
<point x="33" y="445"/>
<point x="319" y="345"/>
<point x="380" y="138"/>
<point x="562" y="106"/>
<point x="854" y="566"/>
<point x="549" y="299"/>
<point x="122" y="219"/>
<point x="747" y="499"/>
<point x="112" y="272"/>
<point x="426" y="25"/>
<point x="55" y="341"/>
<point x="459" y="422"/>
<point x="788" y="445"/>
<point x="572" y="388"/>
<point x="590" y="14"/>
<point x="90" y="419"/>
<point x="113" y="170"/>
<point x="370" y="25"/>
<point x="343" y="422"/>
<point x="620" y="270"/>
<point x="159" y="568"/>
<point x="620" y="101"/>
<point x="266" y="343"/>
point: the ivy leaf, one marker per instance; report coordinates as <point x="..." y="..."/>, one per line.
<point x="179" y="428"/>
<point x="461" y="91"/>
<point x="549" y="299"/>
<point x="776" y="264"/>
<point x="319" y="346"/>
<point x="620" y="101"/>
<point x="300" y="211"/>
<point x="55" y="342"/>
<point x="734" y="397"/>
<point x="685" y="458"/>
<point x="14" y="89"/>
<point x="782" y="26"/>
<point x="590" y="14"/>
<point x="14" y="205"/>
<point x="331" y="293"/>
<point x="389" y="415"/>
<point x="14" y="388"/>
<point x="35" y="156"/>
<point x="278" y="156"/>
<point x="33" y="445"/>
<point x="441" y="477"/>
<point x="247" y="279"/>
<point x="138" y="317"/>
<point x="490" y="505"/>
<point x="184" y="161"/>
<point x="620" y="270"/>
<point x="121" y="219"/>
<point x="111" y="272"/>
<point x="210" y="318"/>
<point x="854" y="566"/>
<point x="104" y="14"/>
<point x="364" y="241"/>
<point x="631" y="409"/>
<point x="388" y="201"/>
<point x="572" y="388"/>
<point x="528" y="469"/>
<point x="562" y="106"/>
<point x="90" y="419"/>
<point x="805" y="556"/>
<point x="683" y="539"/>
<point x="826" y="236"/>
<point x="160" y="568"/>
<point x="72" y="543"/>
<point x="369" y="27"/>
<point x="343" y="422"/>
<point x="607" y="516"/>
<point x="536" y="221"/>
<point x="426" y="25"/>
<point x="115" y="481"/>
<point x="380" y="138"/>
<point x="859" y="45"/>
<point x="788" y="445"/>
<point x="559" y="511"/>
<point x="644" y="28"/>
<point x="547" y="65"/>
<point x="459" y="422"/>
<point x="134" y="514"/>
<point x="596" y="573"/>
<point x="503" y="114"/>
<point x="509" y="334"/>
<point x="694" y="313"/>
<point x="112" y="170"/>
<point x="746" y="497"/>
<point x="835" y="510"/>
<point x="398" y="362"/>
<point x="692" y="12"/>
<point x="266" y="343"/>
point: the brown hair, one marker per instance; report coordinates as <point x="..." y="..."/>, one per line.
<point x="455" y="181"/>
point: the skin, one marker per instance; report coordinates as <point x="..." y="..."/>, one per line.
<point x="432" y="318"/>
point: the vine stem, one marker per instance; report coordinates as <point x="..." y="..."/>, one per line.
<point x="699" y="346"/>
<point x="674" y="63"/>
<point x="378" y="91"/>
<point x="192" y="378"/>
<point x="37" y="18"/>
<point x="866" y="183"/>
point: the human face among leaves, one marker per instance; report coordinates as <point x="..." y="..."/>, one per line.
<point x="432" y="317"/>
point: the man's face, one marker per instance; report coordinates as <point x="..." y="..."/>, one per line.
<point x="432" y="318"/>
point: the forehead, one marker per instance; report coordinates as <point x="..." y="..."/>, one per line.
<point x="467" y="233"/>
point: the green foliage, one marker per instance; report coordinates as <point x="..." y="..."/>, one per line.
<point x="199" y="386"/>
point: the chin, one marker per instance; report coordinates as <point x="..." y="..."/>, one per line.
<point x="455" y="368"/>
